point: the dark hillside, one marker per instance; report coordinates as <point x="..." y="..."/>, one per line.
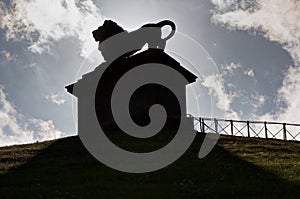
<point x="236" y="168"/>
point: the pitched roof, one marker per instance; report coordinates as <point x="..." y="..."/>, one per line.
<point x="144" y="57"/>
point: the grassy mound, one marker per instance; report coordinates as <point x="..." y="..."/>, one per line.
<point x="236" y="168"/>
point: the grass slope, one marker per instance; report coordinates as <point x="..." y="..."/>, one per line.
<point x="236" y="168"/>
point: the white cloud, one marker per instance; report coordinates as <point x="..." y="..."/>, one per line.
<point x="215" y="84"/>
<point x="57" y="98"/>
<point x="46" y="130"/>
<point x="222" y="5"/>
<point x="43" y="22"/>
<point x="276" y="20"/>
<point x="13" y="132"/>
<point x="225" y="98"/>
<point x="288" y="96"/>
<point x="7" y="55"/>
<point x="230" y="68"/>
<point x="32" y="65"/>
<point x="257" y="100"/>
<point x="249" y="72"/>
<point x="9" y="122"/>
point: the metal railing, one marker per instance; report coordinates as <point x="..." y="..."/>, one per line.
<point x="258" y="129"/>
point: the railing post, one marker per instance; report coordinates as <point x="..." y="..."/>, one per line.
<point x="284" y="131"/>
<point x="231" y="126"/>
<point x="200" y="125"/>
<point x="266" y="130"/>
<point x="203" y="126"/>
<point x="216" y="125"/>
<point x="248" y="129"/>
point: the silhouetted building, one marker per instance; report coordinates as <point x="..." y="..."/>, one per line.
<point x="99" y="84"/>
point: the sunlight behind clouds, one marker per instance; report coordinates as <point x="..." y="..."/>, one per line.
<point x="45" y="22"/>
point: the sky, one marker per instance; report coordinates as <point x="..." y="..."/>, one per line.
<point x="245" y="53"/>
